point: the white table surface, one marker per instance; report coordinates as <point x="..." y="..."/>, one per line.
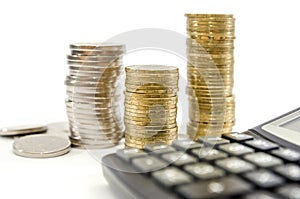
<point x="77" y="174"/>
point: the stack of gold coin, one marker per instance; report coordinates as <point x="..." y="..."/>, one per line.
<point x="210" y="46"/>
<point x="150" y="105"/>
<point x="94" y="93"/>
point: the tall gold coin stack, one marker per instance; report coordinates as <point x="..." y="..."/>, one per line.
<point x="150" y="105"/>
<point x="210" y="49"/>
<point x="93" y="94"/>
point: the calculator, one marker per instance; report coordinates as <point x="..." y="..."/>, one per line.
<point x="260" y="163"/>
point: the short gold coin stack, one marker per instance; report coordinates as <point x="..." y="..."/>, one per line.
<point x="93" y="94"/>
<point x="150" y="105"/>
<point x="210" y="56"/>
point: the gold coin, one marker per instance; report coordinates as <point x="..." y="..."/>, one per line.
<point x="151" y="86"/>
<point x="141" y="96"/>
<point x="143" y="82"/>
<point x="149" y="115"/>
<point x="154" y="69"/>
<point x="151" y="127"/>
<point x="209" y="15"/>
<point x="143" y="105"/>
<point x="152" y="110"/>
<point x="146" y="140"/>
<point x="150" y="99"/>
<point x="152" y="76"/>
<point x="149" y="123"/>
<point x="145" y="130"/>
<point x="162" y="120"/>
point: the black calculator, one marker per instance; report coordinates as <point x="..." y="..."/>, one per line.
<point x="261" y="163"/>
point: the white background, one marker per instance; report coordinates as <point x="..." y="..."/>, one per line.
<point x="34" y="41"/>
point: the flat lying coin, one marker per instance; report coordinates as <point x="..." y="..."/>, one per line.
<point x="23" y="130"/>
<point x="41" y="146"/>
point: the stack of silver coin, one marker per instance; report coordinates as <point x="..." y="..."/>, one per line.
<point x="94" y="93"/>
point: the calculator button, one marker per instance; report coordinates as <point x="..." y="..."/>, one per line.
<point x="262" y="145"/>
<point x="213" y="141"/>
<point x="185" y="145"/>
<point x="262" y="195"/>
<point x="159" y="148"/>
<point x="204" y="171"/>
<point x="264" y="178"/>
<point x="130" y="153"/>
<point x="290" y="171"/>
<point x="171" y="177"/>
<point x="235" y="165"/>
<point x="209" y="154"/>
<point x="179" y="158"/>
<point x="291" y="191"/>
<point x="262" y="159"/>
<point x="287" y="154"/>
<point x="148" y="164"/>
<point x="238" y="137"/>
<point x="236" y="149"/>
<point x="225" y="187"/>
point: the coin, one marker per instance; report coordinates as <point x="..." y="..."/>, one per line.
<point x="89" y="52"/>
<point x="41" y="146"/>
<point x="210" y="73"/>
<point x="23" y="130"/>
<point x="152" y="69"/>
<point x="94" y="93"/>
<point x="98" y="46"/>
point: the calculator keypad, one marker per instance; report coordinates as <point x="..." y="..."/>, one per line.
<point x="171" y="177"/>
<point x="236" y="149"/>
<point x="231" y="185"/>
<point x="235" y="166"/>
<point x="264" y="178"/>
<point x="262" y="159"/>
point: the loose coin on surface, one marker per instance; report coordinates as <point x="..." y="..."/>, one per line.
<point x="23" y="130"/>
<point x="41" y="146"/>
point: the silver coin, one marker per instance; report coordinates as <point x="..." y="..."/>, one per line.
<point x="99" y="132"/>
<point x="107" y="69"/>
<point x="96" y="126"/>
<point x="97" y="79"/>
<point x="93" y="113"/>
<point x="117" y="62"/>
<point x="97" y="91"/>
<point x="91" y="106"/>
<point x="104" y="99"/>
<point x="94" y="141"/>
<point x="100" y="74"/>
<point x="78" y="93"/>
<point x="93" y="58"/>
<point x="41" y="146"/>
<point x="81" y="118"/>
<point x="116" y="136"/>
<point x="102" y="136"/>
<point x="113" y="119"/>
<point x="93" y="101"/>
<point x="97" y="52"/>
<point x="91" y="147"/>
<point x="102" y="85"/>
<point x="23" y="130"/>
<point x="98" y="46"/>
